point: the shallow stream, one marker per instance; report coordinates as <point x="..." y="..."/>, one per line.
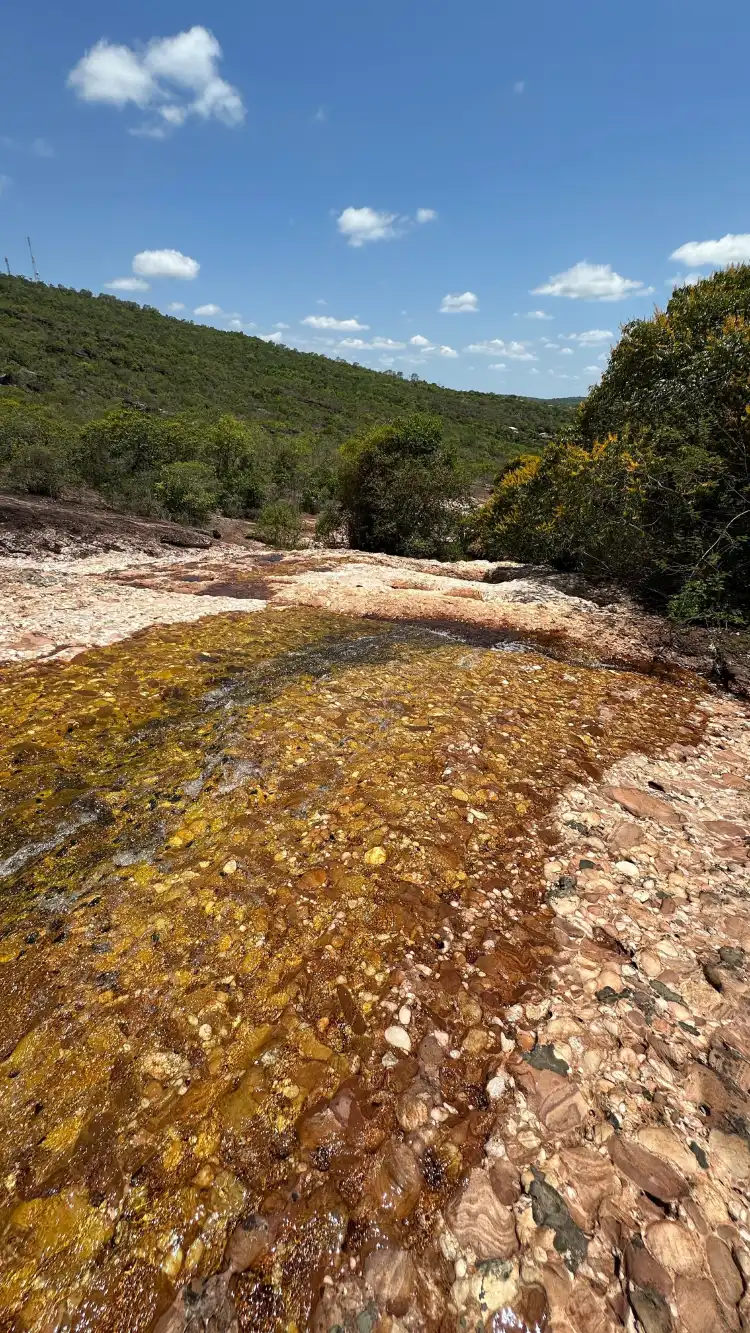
<point x="231" y="854"/>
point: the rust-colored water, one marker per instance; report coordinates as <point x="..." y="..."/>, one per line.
<point x="226" y="848"/>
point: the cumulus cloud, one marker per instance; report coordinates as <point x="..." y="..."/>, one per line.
<point x="590" y="337"/>
<point x="459" y="303"/>
<point x="281" y="325"/>
<point x="208" y="309"/>
<point x="419" y="341"/>
<point x="592" y="370"/>
<point x="176" y="305"/>
<point x="446" y="351"/>
<point x="519" y="87"/>
<point x="128" y="285"/>
<point x="328" y="322"/>
<point x="498" y="365"/>
<point x="387" y="343"/>
<point x="165" y="264"/>
<point x="730" y="249"/>
<point x="270" y="337"/>
<point x="498" y="347"/>
<point x="684" y="280"/>
<point x="173" y="77"/>
<point x="565" y="351"/>
<point x="538" y="314"/>
<point x="591" y="282"/>
<point x="533" y="371"/>
<point x="361" y="226"/>
<point x="376" y="344"/>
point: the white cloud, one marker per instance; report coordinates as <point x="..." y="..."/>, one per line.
<point x="498" y="365"/>
<point x="376" y="344"/>
<point x="127" y="285"/>
<point x="459" y="303"/>
<point x="446" y="351"/>
<point x="328" y="322"/>
<point x="684" y="280"/>
<point x="538" y="314"/>
<point x="730" y="249"/>
<point x="519" y="87"/>
<point x="165" y="264"/>
<point x="4" y="183"/>
<point x="356" y="344"/>
<point x="426" y="215"/>
<point x="387" y="343"/>
<point x="590" y="337"/>
<point x="175" y="77"/>
<point x="566" y="351"/>
<point x="281" y="325"/>
<point x="235" y="324"/>
<point x="419" y="341"/>
<point x="592" y="370"/>
<point x="42" y="148"/>
<point x="533" y="371"/>
<point x="591" y="282"/>
<point x="270" y="337"/>
<point x="498" y="347"/>
<point x="360" y="225"/>
<point x="208" y="309"/>
<point x="176" y="305"/>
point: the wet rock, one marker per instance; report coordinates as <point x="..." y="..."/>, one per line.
<point x="480" y="1222"/>
<point x="398" y="1037"/>
<point x="592" y="1177"/>
<point x="647" y="1171"/>
<point x="412" y="1111"/>
<point x="247" y="1242"/>
<point x="395" y="1185"/>
<point x="505" y="1182"/>
<point x="203" y="1304"/>
<point x="550" y="1210"/>
<point x="588" y="1311"/>
<point x="676" y="1248"/>
<point x="663" y="1141"/>
<point x="390" y="1276"/>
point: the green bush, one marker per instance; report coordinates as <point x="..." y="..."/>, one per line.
<point x="280" y="524"/>
<point x="400" y="490"/>
<point x="652" y="486"/>
<point x="330" y="526"/>
<point x="187" y="490"/>
<point x="35" y="449"/>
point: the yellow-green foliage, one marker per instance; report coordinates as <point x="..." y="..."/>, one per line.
<point x="652" y="487"/>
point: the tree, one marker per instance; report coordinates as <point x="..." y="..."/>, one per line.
<point x="187" y="490"/>
<point x="400" y="489"/>
<point x="652" y="485"/>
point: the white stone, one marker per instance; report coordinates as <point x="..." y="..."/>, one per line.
<point x="496" y="1087"/>
<point x="399" y="1038"/>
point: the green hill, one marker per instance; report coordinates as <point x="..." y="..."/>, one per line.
<point x="81" y="354"/>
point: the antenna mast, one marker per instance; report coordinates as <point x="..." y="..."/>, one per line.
<point x="7" y="265"/>
<point x="34" y="269"/>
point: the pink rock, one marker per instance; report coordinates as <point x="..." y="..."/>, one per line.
<point x="480" y="1222"/>
<point x="643" y="806"/>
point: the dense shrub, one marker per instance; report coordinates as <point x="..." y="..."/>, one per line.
<point x="652" y="487"/>
<point x="187" y="490"/>
<point x="400" y="489"/>
<point x="35" y="449"/>
<point x="279" y="524"/>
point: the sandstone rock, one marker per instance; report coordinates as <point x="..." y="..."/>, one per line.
<point x="554" y="1099"/>
<point x="664" y="1142"/>
<point x="505" y="1182"/>
<point x="390" y="1275"/>
<point x="592" y="1177"/>
<point x="724" y="1271"/>
<point x="480" y="1221"/>
<point x="644" y="1272"/>
<point x="588" y="1311"/>
<point x="676" y="1248"/>
<point x="395" y="1186"/>
<point x="698" y="1307"/>
<point x="248" y="1240"/>
<point x="651" y="1310"/>
<point x="729" y="1156"/>
<point x="643" y="806"/>
<point x="647" y="1171"/>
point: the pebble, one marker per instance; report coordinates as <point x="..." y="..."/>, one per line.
<point x="398" y="1037"/>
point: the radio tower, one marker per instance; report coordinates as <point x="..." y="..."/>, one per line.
<point x="34" y="269"/>
<point x="7" y="265"/>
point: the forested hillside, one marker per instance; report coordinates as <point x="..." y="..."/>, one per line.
<point x="81" y="355"/>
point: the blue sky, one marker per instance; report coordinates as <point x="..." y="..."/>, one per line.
<point x="287" y="165"/>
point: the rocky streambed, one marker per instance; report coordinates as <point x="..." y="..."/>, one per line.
<point x="359" y="977"/>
